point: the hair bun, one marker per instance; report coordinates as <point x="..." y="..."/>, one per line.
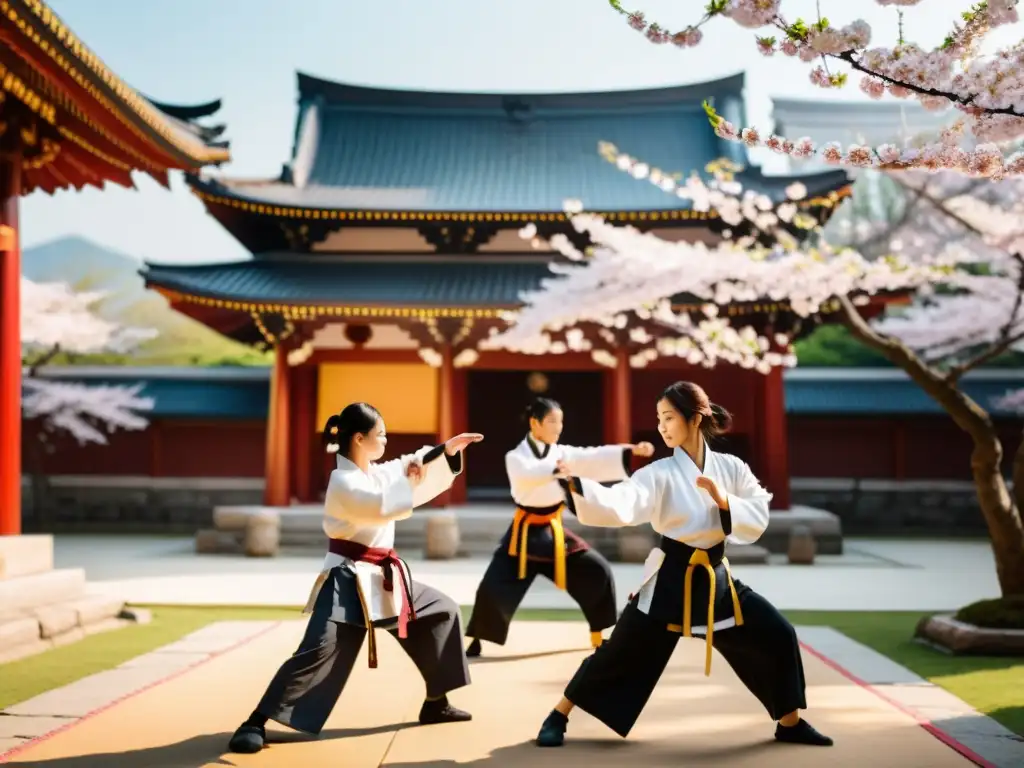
<point x="721" y="418"/>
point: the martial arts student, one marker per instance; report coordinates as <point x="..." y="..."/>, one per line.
<point x="536" y="542"/>
<point x="697" y="500"/>
<point x="365" y="586"/>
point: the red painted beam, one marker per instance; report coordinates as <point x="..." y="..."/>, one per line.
<point x="10" y="347"/>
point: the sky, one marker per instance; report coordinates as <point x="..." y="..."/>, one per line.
<point x="246" y="52"/>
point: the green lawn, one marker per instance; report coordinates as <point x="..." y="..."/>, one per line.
<point x="991" y="685"/>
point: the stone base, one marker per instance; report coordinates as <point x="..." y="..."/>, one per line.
<point x="965" y="639"/>
<point x="825" y="527"/>
<point x="25" y="555"/>
<point x="481" y="526"/>
<point x="42" y="608"/>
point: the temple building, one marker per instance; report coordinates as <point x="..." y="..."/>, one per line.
<point x="388" y="248"/>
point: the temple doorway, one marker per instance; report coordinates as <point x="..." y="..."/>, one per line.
<point x="497" y="400"/>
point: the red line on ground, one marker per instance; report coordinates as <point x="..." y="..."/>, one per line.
<point x="4" y="757"/>
<point x="922" y="721"/>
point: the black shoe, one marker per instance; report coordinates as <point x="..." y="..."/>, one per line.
<point x="801" y="733"/>
<point x="474" y="650"/>
<point x="552" y="732"/>
<point x="440" y="711"/>
<point x="248" y="739"/>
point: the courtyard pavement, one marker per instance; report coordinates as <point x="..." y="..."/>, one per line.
<point x="872" y="575"/>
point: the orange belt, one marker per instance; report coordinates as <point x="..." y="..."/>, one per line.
<point x="521" y="530"/>
<point x="700" y="558"/>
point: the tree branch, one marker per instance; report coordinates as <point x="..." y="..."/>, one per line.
<point x="43" y="359"/>
<point x="965" y="101"/>
<point x="967" y="414"/>
<point x="1006" y="336"/>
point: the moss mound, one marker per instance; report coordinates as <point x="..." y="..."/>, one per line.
<point x="1002" y="613"/>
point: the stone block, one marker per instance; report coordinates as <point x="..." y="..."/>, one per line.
<point x="94" y="608"/>
<point x="16" y="631"/>
<point x="442" y="536"/>
<point x="262" y="535"/>
<point x="210" y="541"/>
<point x="233" y="518"/>
<point x="746" y="554"/>
<point x="25" y="555"/>
<point x="802" y="546"/>
<point x="42" y="588"/>
<point x="55" y="619"/>
<point x="959" y="638"/>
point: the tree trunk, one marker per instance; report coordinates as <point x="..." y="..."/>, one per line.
<point x="1002" y="512"/>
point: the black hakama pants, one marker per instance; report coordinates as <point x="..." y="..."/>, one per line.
<point x="615" y="682"/>
<point x="588" y="580"/>
<point x="307" y="686"/>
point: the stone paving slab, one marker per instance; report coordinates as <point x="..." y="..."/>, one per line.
<point x="95" y="691"/>
<point x="930" y="704"/>
<point x="29" y="727"/>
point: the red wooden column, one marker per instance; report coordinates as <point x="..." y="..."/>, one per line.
<point x="304" y="429"/>
<point x="10" y="347"/>
<point x="775" y="439"/>
<point x="621" y="400"/>
<point x="446" y="408"/>
<point x="277" y="492"/>
<point x="460" y="423"/>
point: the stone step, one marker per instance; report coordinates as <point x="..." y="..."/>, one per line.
<point x="39" y="589"/>
<point x="25" y="555"/>
<point x="29" y="631"/>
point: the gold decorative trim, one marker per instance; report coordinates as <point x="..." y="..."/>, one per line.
<point x="314" y="311"/>
<point x="282" y="211"/>
<point x="192" y="148"/>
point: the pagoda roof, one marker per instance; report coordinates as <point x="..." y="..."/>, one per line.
<point x="81" y="124"/>
<point x="377" y="149"/>
<point x="417" y="282"/>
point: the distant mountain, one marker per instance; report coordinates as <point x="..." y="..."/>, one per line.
<point x="87" y="266"/>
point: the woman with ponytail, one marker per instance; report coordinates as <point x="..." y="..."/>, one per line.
<point x="697" y="499"/>
<point x="364" y="585"/>
<point x="536" y="543"/>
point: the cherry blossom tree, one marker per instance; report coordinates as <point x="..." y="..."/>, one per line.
<point x="988" y="90"/>
<point x="56" y="320"/>
<point x="953" y="244"/>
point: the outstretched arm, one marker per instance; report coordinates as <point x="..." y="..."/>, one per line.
<point x="630" y="502"/>
<point x="605" y="463"/>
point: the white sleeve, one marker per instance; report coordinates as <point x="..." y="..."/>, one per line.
<point x="605" y="464"/>
<point x="527" y="473"/>
<point x="439" y="472"/>
<point x="747" y="517"/>
<point x="354" y="502"/>
<point x="631" y="502"/>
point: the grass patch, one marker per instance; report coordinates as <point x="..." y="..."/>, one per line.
<point x="990" y="685"/>
<point x="26" y="678"/>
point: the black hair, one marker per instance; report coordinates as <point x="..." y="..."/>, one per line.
<point x="354" y="419"/>
<point x="539" y="408"/>
<point x="690" y="399"/>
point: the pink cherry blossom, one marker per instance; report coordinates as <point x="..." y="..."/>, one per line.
<point x="988" y="91"/>
<point x="55" y="317"/>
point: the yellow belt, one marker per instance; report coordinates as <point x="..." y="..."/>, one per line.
<point x="521" y="530"/>
<point x="700" y="558"/>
